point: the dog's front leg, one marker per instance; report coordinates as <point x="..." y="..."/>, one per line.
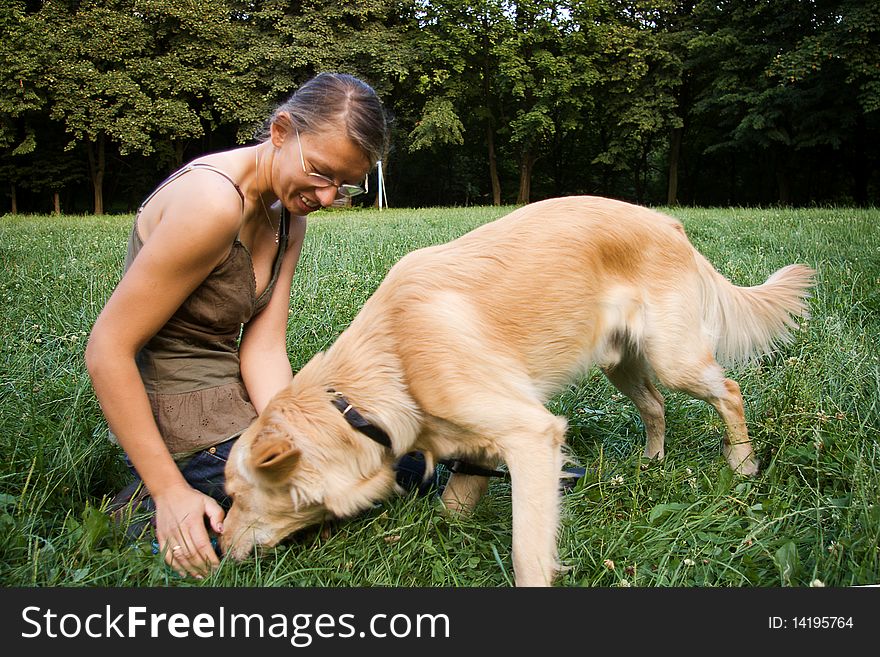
<point x="535" y="461"/>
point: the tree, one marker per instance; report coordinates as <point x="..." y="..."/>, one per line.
<point x="456" y="88"/>
<point x="640" y="77"/>
<point x="139" y="73"/>
<point x="547" y="72"/>
<point x="842" y="56"/>
<point x="367" y="38"/>
<point x="94" y="92"/>
<point x="677" y="28"/>
<point x="22" y="60"/>
<point x="741" y="46"/>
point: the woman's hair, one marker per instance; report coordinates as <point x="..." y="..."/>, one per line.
<point x="338" y="99"/>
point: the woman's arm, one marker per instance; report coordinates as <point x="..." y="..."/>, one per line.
<point x="265" y="365"/>
<point x="179" y="254"/>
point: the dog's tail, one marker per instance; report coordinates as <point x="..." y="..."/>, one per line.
<point x="746" y="322"/>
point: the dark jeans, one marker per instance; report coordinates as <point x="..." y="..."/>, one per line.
<point x="205" y="471"/>
<point x="410" y="474"/>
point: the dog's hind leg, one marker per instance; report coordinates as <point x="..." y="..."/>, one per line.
<point x="632" y="377"/>
<point x="737" y="447"/>
<point x="704" y="379"/>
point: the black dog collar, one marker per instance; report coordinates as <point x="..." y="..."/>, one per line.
<point x="358" y="421"/>
<point x="462" y="467"/>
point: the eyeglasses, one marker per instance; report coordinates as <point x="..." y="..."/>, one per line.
<point x="319" y="181"/>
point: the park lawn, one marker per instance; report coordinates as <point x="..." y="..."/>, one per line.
<point x="812" y="514"/>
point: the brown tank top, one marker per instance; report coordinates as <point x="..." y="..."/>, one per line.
<point x="191" y="368"/>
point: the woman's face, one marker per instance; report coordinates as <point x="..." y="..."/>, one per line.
<point x="328" y="153"/>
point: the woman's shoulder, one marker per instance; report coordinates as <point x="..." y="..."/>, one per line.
<point x="221" y="169"/>
<point x="234" y="162"/>
<point x="199" y="201"/>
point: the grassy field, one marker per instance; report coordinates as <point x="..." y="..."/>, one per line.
<point x="812" y="514"/>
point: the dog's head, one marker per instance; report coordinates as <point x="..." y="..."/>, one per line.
<point x="297" y="465"/>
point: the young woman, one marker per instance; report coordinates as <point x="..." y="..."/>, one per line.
<point x="192" y="342"/>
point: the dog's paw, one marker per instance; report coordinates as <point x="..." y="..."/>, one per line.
<point x="748" y="468"/>
<point x="741" y="458"/>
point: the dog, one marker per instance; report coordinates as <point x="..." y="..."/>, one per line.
<point x="462" y="345"/>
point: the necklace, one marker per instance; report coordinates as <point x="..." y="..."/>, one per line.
<point x="263" y="203"/>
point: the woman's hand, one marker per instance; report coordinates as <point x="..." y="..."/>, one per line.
<point x="181" y="530"/>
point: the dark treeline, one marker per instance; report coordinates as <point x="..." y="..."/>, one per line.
<point x="739" y="102"/>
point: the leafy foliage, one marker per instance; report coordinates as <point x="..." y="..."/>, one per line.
<point x="494" y="100"/>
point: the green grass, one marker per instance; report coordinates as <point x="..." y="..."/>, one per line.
<point x="812" y="513"/>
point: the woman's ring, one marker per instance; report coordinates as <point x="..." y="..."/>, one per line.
<point x="176" y="548"/>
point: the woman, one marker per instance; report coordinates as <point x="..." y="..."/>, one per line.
<point x="192" y="342"/>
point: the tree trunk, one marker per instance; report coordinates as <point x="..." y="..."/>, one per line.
<point x="640" y="175"/>
<point x="493" y="165"/>
<point x="56" y="203"/>
<point x="526" y="163"/>
<point x="14" y="199"/>
<point x="178" y="154"/>
<point x="490" y="128"/>
<point x="97" y="160"/>
<point x="674" y="153"/>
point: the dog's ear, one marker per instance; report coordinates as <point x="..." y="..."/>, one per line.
<point x="274" y="456"/>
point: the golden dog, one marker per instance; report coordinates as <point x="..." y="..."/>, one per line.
<point x="461" y="346"/>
